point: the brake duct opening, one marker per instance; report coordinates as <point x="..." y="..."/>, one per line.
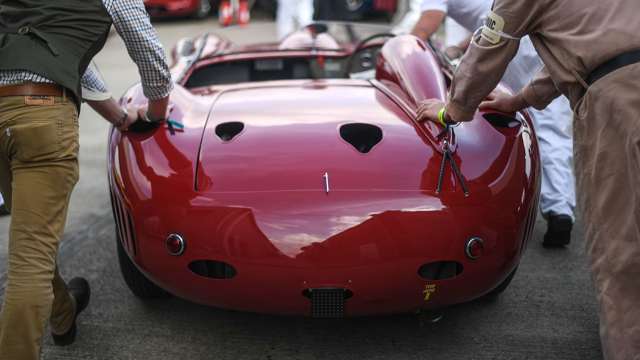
<point x="229" y="130"/>
<point x="363" y="137"/>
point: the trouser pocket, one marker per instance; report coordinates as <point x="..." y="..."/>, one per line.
<point x="44" y="132"/>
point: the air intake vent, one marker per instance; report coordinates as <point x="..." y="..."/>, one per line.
<point x="229" y="130"/>
<point x="501" y="120"/>
<point x="327" y="303"/>
<point x="213" y="269"/>
<point x="440" y="270"/>
<point x="363" y="137"/>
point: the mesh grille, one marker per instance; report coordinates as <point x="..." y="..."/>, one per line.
<point x="327" y="303"/>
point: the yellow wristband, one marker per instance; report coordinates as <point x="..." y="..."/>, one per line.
<point x="441" y="115"/>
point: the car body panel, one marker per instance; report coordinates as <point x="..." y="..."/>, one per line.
<point x="261" y="203"/>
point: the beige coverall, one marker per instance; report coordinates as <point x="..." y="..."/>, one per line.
<point x="573" y="37"/>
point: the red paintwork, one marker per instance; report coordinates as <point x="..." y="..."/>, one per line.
<point x="258" y="201"/>
<point x="171" y="7"/>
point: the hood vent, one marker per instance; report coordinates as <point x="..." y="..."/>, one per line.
<point x="363" y="137"/>
<point x="229" y="130"/>
<point x="502" y="121"/>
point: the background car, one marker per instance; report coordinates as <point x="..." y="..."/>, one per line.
<point x="349" y="10"/>
<point x="164" y="8"/>
<point x="354" y="10"/>
<point x="293" y="178"/>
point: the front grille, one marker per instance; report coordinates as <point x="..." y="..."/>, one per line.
<point x="327" y="303"/>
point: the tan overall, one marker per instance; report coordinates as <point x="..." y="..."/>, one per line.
<point x="574" y="37"/>
<point x="607" y="148"/>
<point x="38" y="170"/>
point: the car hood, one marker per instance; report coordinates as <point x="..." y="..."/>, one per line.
<point x="313" y="136"/>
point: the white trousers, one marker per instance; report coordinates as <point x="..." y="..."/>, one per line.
<point x="555" y="139"/>
<point x="555" y="136"/>
<point x="293" y="14"/>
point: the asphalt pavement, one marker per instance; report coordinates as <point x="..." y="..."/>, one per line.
<point x="548" y="312"/>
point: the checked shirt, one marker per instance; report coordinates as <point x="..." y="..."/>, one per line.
<point x="132" y="23"/>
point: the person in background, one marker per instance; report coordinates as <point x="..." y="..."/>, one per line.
<point x="45" y="53"/>
<point x="455" y="34"/>
<point x="292" y="15"/>
<point x="3" y="209"/>
<point x="552" y="125"/>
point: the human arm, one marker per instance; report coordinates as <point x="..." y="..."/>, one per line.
<point x="428" y="24"/>
<point x="540" y="92"/>
<point x="96" y="94"/>
<point x="487" y="58"/>
<point x="132" y="23"/>
<point x="457" y="51"/>
<point x="113" y="113"/>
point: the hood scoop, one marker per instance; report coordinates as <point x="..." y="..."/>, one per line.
<point x="363" y="137"/>
<point x="229" y="130"/>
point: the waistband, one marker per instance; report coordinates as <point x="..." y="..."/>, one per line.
<point x="620" y="61"/>
<point x="33" y="89"/>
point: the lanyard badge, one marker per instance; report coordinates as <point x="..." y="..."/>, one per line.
<point x="492" y="31"/>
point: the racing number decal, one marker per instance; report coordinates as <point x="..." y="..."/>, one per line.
<point x="429" y="290"/>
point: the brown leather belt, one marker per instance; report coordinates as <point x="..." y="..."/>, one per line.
<point x="32" y="89"/>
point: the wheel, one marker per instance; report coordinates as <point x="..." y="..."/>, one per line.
<point x="139" y="285"/>
<point x="204" y="9"/>
<point x="493" y="294"/>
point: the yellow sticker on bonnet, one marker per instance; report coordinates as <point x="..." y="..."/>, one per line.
<point x="492" y="29"/>
<point x="429" y="289"/>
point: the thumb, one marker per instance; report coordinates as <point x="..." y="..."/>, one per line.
<point x="488" y="104"/>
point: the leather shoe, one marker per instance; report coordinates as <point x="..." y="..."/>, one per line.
<point x="558" y="231"/>
<point x="81" y="292"/>
<point x="3" y="210"/>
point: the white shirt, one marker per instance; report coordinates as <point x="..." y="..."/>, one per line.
<point x="471" y="14"/>
<point x="468" y="13"/>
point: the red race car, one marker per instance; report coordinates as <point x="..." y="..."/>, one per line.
<point x="196" y="8"/>
<point x="293" y="178"/>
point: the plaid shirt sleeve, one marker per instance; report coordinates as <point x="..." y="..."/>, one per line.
<point x="132" y="23"/>
<point x="93" y="85"/>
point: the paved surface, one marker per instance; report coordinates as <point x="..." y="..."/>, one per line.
<point x="549" y="311"/>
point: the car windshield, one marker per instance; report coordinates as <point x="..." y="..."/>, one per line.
<point x="356" y="48"/>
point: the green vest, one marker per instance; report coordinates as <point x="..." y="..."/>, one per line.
<point x="53" y="38"/>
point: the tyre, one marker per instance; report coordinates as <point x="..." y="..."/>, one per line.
<point x="204" y="9"/>
<point x="493" y="294"/>
<point x="139" y="285"/>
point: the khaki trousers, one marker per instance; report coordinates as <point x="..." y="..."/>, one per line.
<point x="38" y="170"/>
<point x="607" y="157"/>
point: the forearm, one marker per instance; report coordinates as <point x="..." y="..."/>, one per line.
<point x="109" y="110"/>
<point x="158" y="108"/>
<point x="541" y="91"/>
<point x="477" y="75"/>
<point x="428" y="24"/>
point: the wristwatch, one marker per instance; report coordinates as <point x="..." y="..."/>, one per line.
<point x="150" y="119"/>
